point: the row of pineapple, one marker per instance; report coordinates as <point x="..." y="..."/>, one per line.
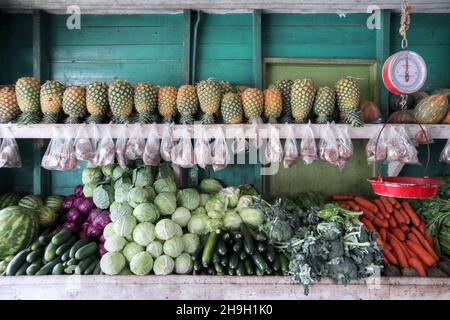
<point x="208" y="101"/>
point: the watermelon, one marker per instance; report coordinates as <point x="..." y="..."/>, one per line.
<point x="18" y="229"/>
<point x="31" y="202"/>
<point x="54" y="202"/>
<point x="46" y="216"/>
<point x="9" y="199"/>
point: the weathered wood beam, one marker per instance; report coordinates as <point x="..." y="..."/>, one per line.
<point x="383" y="43"/>
<point x="187" y="37"/>
<point x="257" y="48"/>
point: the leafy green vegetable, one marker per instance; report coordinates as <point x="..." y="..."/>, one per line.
<point x="166" y="203"/>
<point x="183" y="264"/>
<point x="115" y="243"/>
<point x="143" y="177"/>
<point x="146" y="212"/>
<point x="198" y="224"/>
<point x="163" y="265"/>
<point x="181" y="216"/>
<point x="210" y="186"/>
<point x="141" y="264"/>
<point x="155" y="248"/>
<point x="108" y="170"/>
<point x="165" y="185"/>
<point x="124" y="225"/>
<point x="191" y="242"/>
<point x="232" y="195"/>
<point x="88" y="189"/>
<point x="232" y="221"/>
<point x="91" y="175"/>
<point x="121" y="192"/>
<point x="144" y="233"/>
<point x="131" y="249"/>
<point x="252" y="217"/>
<point x="118" y="210"/>
<point x="103" y="196"/>
<point x="173" y="247"/>
<point x="138" y="195"/>
<point x="112" y="263"/>
<point x="166" y="229"/>
<point x="188" y="198"/>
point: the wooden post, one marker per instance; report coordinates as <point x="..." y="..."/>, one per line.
<point x="383" y="51"/>
<point x="257" y="49"/>
<point x="187" y="26"/>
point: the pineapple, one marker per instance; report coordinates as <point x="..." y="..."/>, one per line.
<point x="226" y="87"/>
<point x="209" y="94"/>
<point x="302" y="99"/>
<point x="348" y="99"/>
<point x="324" y="104"/>
<point x="146" y="102"/>
<point x="121" y="100"/>
<point x="167" y="102"/>
<point x="240" y="88"/>
<point x="51" y="100"/>
<point x="74" y="103"/>
<point x="9" y="109"/>
<point x="97" y="101"/>
<point x="27" y="92"/>
<point x="285" y="87"/>
<point x="231" y="108"/>
<point x="253" y="103"/>
<point x="272" y="103"/>
<point x="187" y="103"/>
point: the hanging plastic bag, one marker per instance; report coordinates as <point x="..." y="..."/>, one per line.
<point x="399" y="147"/>
<point x="104" y="149"/>
<point x="240" y="144"/>
<point x="273" y="152"/>
<point x="67" y="159"/>
<point x="84" y="149"/>
<point x="219" y="151"/>
<point x="445" y="154"/>
<point x="50" y="160"/>
<point x="135" y="144"/>
<point x="308" y="148"/>
<point x="290" y="148"/>
<point x="380" y="149"/>
<point x="328" y="146"/>
<point x="121" y="147"/>
<point x="166" y="142"/>
<point x="255" y="141"/>
<point x="202" y="149"/>
<point x="422" y="137"/>
<point x="151" y="156"/>
<point x="345" y="146"/>
<point x="9" y="151"/>
<point x="182" y="153"/>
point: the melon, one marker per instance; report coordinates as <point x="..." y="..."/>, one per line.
<point x="31" y="202"/>
<point x="54" y="202"/>
<point x="9" y="199"/>
<point x="432" y="109"/>
<point x="447" y="117"/>
<point x="46" y="216"/>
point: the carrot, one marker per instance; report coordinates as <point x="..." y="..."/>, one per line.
<point x="417" y="265"/>
<point x="430" y="241"/>
<point x="405" y="216"/>
<point x="398" y="234"/>
<point x="395" y="203"/>
<point x="381" y="208"/>
<point x="368" y="214"/>
<point x="399" y="252"/>
<point x="389" y="257"/>
<point x="344" y="206"/>
<point x="404" y="228"/>
<point x="366" y="204"/>
<point x="411" y="236"/>
<point x="342" y="197"/>
<point x="383" y="234"/>
<point x="368" y="224"/>
<point x="387" y="246"/>
<point x="354" y="206"/>
<point x="410" y="212"/>
<point x="392" y="222"/>
<point x="422" y="228"/>
<point x="379" y="215"/>
<point x="424" y="243"/>
<point x="423" y="255"/>
<point x="387" y="204"/>
<point x="380" y="223"/>
<point x="398" y="217"/>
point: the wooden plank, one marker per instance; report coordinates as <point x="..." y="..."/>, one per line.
<point x="257" y="48"/>
<point x="235" y="71"/>
<point x="187" y="24"/>
<point x="383" y="50"/>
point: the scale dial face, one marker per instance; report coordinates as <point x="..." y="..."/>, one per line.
<point x="405" y="72"/>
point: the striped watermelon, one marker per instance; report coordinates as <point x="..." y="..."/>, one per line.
<point x="54" y="202"/>
<point x="9" y="199"/>
<point x="46" y="216"/>
<point x="18" y="229"/>
<point x="31" y="202"/>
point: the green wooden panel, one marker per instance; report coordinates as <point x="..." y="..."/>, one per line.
<point x="336" y="51"/>
<point x="235" y="71"/>
<point x="63" y="183"/>
<point x="149" y="20"/>
<point x="294" y="20"/>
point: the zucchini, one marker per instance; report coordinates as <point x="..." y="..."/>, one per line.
<point x="198" y="265"/>
<point x="66" y="246"/>
<point x="36" y="245"/>
<point x="66" y="256"/>
<point x="48" y="267"/>
<point x="234" y="259"/>
<point x="97" y="268"/>
<point x="269" y="270"/>
<point x="211" y="271"/>
<point x="77" y="245"/>
<point x="226" y="237"/>
<point x="86" y="250"/>
<point x="70" y="269"/>
<point x="221" y="247"/>
<point x="271" y="254"/>
<point x="208" y="250"/>
<point x="237" y="246"/>
<point x="276" y="265"/>
<point x="220" y="273"/>
<point x="258" y="236"/>
<point x="259" y="262"/>
<point x="284" y="264"/>
<point x="33" y="268"/>
<point x="242" y="254"/>
<point x="261" y="247"/>
<point x="91" y="267"/>
<point x="249" y="246"/>
<point x="224" y="261"/>
<point x="259" y="272"/>
<point x="197" y="254"/>
<point x="58" y="269"/>
<point x="84" y="264"/>
<point x="216" y="257"/>
<point x="16" y="262"/>
<point x="240" y="270"/>
<point x="231" y="272"/>
<point x="218" y="267"/>
<point x="237" y="236"/>
<point x="23" y="269"/>
<point x="64" y="264"/>
<point x="35" y="255"/>
<point x="248" y="266"/>
<point x="61" y="237"/>
<point x="50" y="252"/>
<point x="72" y="262"/>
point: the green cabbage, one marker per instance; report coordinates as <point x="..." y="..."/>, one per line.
<point x="121" y="181"/>
<point x="210" y="186"/>
<point x="138" y="195"/>
<point x="214" y="224"/>
<point x="151" y="192"/>
<point x="143" y="177"/>
<point x="217" y="204"/>
<point x="163" y="265"/>
<point x="199" y="210"/>
<point x="232" y="194"/>
<point x="131" y="249"/>
<point x="165" y="171"/>
<point x="191" y="242"/>
<point x="183" y="264"/>
<point x="244" y="202"/>
<point x="124" y="225"/>
<point x="125" y="272"/>
<point x="252" y="217"/>
<point x="120" y="172"/>
<point x="118" y="210"/>
<point x="155" y="248"/>
<point x="188" y="198"/>
<point x="144" y="233"/>
<point x="198" y="224"/>
<point x="141" y="264"/>
<point x="108" y="231"/>
<point x="121" y="192"/>
<point x="232" y="220"/>
<point x="181" y="216"/>
<point x="146" y="212"/>
<point x="91" y="175"/>
<point x="112" y="263"/>
<point x="115" y="243"/>
<point x="108" y="170"/>
<point x="203" y="198"/>
<point x="166" y="229"/>
<point x="88" y="189"/>
<point x="165" y="185"/>
<point x="166" y="203"/>
<point x="173" y="247"/>
<point x="103" y="196"/>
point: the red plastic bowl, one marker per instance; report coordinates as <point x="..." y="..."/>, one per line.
<point x="405" y="187"/>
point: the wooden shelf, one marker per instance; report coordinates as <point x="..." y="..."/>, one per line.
<point x="43" y="131"/>
<point x="215" y="287"/>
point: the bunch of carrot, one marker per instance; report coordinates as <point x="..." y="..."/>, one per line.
<point x="399" y="230"/>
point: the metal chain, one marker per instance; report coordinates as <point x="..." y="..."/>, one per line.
<point x="404" y="22"/>
<point x="404" y="99"/>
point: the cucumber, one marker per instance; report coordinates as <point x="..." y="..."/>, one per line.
<point x="220" y="273"/>
<point x="77" y="245"/>
<point x="64" y="264"/>
<point x="84" y="264"/>
<point x="50" y="252"/>
<point x="23" y="269"/>
<point x="91" y="267"/>
<point x="258" y="236"/>
<point x="248" y="266"/>
<point x="97" y="268"/>
<point x="284" y="264"/>
<point x="240" y="270"/>
<point x="208" y="250"/>
<point x="33" y="268"/>
<point x="221" y="247"/>
<point x="224" y="261"/>
<point x="271" y="254"/>
<point x="237" y="246"/>
<point x="197" y="255"/>
<point x="259" y="262"/>
<point x="276" y="265"/>
<point x="72" y="262"/>
<point x="66" y="246"/>
<point x="216" y="257"/>
<point x="259" y="272"/>
<point x="58" y="269"/>
<point x="48" y="267"/>
<point x="234" y="259"/>
<point x="242" y="254"/>
<point x="45" y="239"/>
<point x="70" y="269"/>
<point x="231" y="272"/>
<point x="36" y="245"/>
<point x="218" y="267"/>
<point x="61" y="237"/>
<point x="269" y="270"/>
<point x="261" y="247"/>
<point x="86" y="250"/>
<point x="66" y="256"/>
<point x="249" y="246"/>
<point x="16" y="262"/>
<point x="34" y="256"/>
<point x="211" y="271"/>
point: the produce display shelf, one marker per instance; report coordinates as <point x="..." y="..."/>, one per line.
<point x="216" y="287"/>
<point x="46" y="131"/>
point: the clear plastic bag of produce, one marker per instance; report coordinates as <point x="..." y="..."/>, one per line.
<point x="60" y="153"/>
<point x="121" y="147"/>
<point x="151" y="156"/>
<point x="9" y="151"/>
<point x="290" y="148"/>
<point x="328" y="146"/>
<point x="345" y="145"/>
<point x="255" y="141"/>
<point x="240" y="143"/>
<point x="445" y="154"/>
<point x="220" y="154"/>
<point x="399" y="147"/>
<point x="380" y="149"/>
<point x="202" y="149"/>
<point x="166" y="142"/>
<point x="308" y="148"/>
<point x="104" y="149"/>
<point x="135" y="143"/>
<point x="182" y="152"/>
<point x="273" y="152"/>
<point x="84" y="149"/>
<point x="422" y="136"/>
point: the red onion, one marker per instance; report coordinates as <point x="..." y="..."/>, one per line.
<point x="68" y="202"/>
<point x="82" y="235"/>
<point x="102" y="238"/>
<point x="73" y="215"/>
<point x="93" y="214"/>
<point x="72" y="226"/>
<point x="85" y="206"/>
<point x="78" y="191"/>
<point x="93" y="232"/>
<point x="101" y="220"/>
<point x="101" y="250"/>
